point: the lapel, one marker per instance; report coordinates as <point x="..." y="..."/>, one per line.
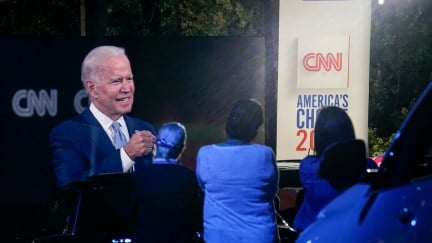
<point x="131" y="124"/>
<point x="98" y="135"/>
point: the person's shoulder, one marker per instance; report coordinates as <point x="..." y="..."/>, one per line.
<point x="206" y="148"/>
<point x="70" y="124"/>
<point x="136" y="120"/>
<point x="262" y="147"/>
<point x="310" y="163"/>
<point x="141" y="123"/>
<point x="79" y="119"/>
<point x="310" y="159"/>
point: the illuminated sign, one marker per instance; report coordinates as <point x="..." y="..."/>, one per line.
<point x="26" y="102"/>
<point x="315" y="62"/>
<point x="323" y="62"/>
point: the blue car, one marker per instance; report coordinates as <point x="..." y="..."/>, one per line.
<point x="393" y="204"/>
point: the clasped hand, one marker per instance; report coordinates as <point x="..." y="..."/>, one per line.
<point x="140" y="143"/>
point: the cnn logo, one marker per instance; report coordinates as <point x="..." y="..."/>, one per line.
<point x="315" y="62"/>
<point x="323" y="62"/>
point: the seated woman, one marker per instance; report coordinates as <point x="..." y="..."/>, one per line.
<point x="239" y="179"/>
<point x="333" y="125"/>
<point x="169" y="198"/>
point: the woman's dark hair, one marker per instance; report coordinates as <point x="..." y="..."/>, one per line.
<point x="171" y="140"/>
<point x="332" y="125"/>
<point x="244" y="120"/>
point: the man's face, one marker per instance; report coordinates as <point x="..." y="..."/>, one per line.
<point x="113" y="94"/>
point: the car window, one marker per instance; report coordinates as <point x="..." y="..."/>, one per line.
<point x="408" y="156"/>
<point x="423" y="167"/>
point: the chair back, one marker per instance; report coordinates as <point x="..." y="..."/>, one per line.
<point x="344" y="163"/>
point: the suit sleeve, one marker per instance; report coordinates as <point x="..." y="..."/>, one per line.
<point x="81" y="151"/>
<point x="68" y="161"/>
<point x="138" y="124"/>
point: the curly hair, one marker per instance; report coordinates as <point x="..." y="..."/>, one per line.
<point x="244" y="120"/>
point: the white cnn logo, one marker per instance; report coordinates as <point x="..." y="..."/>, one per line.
<point x="26" y="102"/>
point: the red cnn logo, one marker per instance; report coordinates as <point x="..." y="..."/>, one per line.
<point x="314" y="62"/>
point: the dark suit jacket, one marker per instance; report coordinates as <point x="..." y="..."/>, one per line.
<point x="81" y="148"/>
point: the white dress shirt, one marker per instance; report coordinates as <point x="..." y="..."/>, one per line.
<point x="106" y="122"/>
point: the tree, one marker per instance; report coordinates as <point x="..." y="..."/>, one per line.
<point x="213" y="18"/>
<point x="39" y="17"/>
<point x="400" y="60"/>
<point x="133" y="17"/>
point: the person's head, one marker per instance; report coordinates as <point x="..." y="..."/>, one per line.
<point x="244" y="120"/>
<point x="107" y="76"/>
<point x="332" y="125"/>
<point x="171" y="140"/>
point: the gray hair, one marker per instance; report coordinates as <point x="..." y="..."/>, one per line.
<point x="95" y="58"/>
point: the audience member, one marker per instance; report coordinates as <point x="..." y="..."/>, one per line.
<point x="169" y="198"/>
<point x="88" y="144"/>
<point x="333" y="125"/>
<point x="240" y="180"/>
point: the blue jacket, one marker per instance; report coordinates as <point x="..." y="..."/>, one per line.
<point x="317" y="192"/>
<point x="81" y="148"/>
<point x="239" y="184"/>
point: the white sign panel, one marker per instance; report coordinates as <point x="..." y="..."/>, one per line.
<point x="323" y="60"/>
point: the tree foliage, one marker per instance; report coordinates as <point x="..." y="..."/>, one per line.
<point x="133" y="17"/>
<point x="213" y="17"/>
<point x="378" y="144"/>
<point x="38" y="17"/>
<point x="401" y="60"/>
